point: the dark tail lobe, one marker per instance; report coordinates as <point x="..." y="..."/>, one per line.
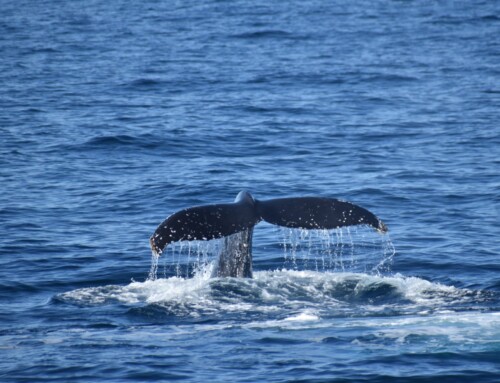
<point x="204" y="223"/>
<point x="316" y="213"/>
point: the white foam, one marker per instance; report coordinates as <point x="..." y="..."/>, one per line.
<point x="303" y="317"/>
<point x="283" y="290"/>
<point x="149" y="291"/>
<point x="422" y="313"/>
<point x="465" y="328"/>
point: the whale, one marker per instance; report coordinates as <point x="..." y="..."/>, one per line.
<point x="235" y="222"/>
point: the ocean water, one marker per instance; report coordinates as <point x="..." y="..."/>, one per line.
<point x="115" y="114"/>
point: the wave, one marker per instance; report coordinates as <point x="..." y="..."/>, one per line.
<point x="145" y="141"/>
<point x="267" y="34"/>
<point x="353" y="310"/>
<point x="282" y="293"/>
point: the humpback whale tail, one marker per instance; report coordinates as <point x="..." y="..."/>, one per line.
<point x="222" y="220"/>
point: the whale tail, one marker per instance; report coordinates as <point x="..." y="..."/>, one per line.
<point x="222" y="220"/>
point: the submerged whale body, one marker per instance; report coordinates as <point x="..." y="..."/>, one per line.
<point x="235" y="222"/>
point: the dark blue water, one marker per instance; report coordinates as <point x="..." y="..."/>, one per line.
<point x="115" y="114"/>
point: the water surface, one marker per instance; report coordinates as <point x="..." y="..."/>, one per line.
<point x="114" y="115"/>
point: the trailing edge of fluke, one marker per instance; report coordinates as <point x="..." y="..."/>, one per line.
<point x="221" y="220"/>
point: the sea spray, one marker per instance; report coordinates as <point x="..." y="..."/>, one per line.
<point x="185" y="258"/>
<point x="351" y="249"/>
<point x="284" y="293"/>
<point x="155" y="257"/>
<point x="356" y="249"/>
<point x="389" y="251"/>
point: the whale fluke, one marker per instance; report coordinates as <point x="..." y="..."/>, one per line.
<point x="222" y="220"/>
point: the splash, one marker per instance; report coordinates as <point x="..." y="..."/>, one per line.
<point x="389" y="251"/>
<point x="356" y="249"/>
<point x="185" y="259"/>
<point x="155" y="257"/>
<point x="285" y="294"/>
<point x="350" y="249"/>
